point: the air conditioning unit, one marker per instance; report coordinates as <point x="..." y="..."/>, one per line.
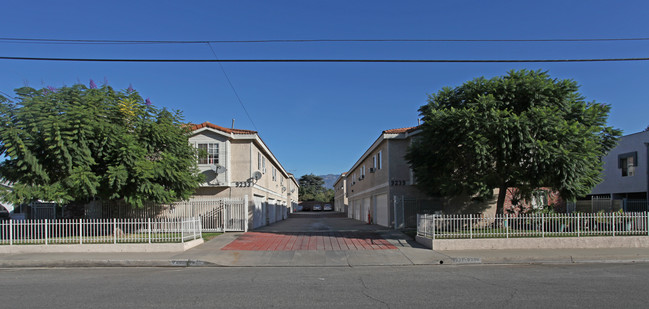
<point x="372" y="170"/>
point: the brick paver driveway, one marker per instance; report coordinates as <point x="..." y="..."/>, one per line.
<point x="313" y="231"/>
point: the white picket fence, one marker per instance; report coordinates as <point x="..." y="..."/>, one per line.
<point x="532" y="225"/>
<point x="99" y="231"/>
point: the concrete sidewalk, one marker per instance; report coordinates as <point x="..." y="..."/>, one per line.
<point x="408" y="252"/>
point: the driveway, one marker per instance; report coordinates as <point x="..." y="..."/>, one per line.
<point x="320" y="231"/>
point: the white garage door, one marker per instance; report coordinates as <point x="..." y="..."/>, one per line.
<point x="258" y="218"/>
<point x="366" y="209"/>
<point x="382" y="212"/>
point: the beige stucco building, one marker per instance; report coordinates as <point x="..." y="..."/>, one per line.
<point x="380" y="186"/>
<point x="237" y="163"/>
<point x="340" y="193"/>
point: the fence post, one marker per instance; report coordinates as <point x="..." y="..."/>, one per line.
<point x="182" y="231"/>
<point x="425" y="225"/>
<point x="194" y="226"/>
<point x="245" y="211"/>
<point x="114" y="230"/>
<point x="470" y="226"/>
<point x="149" y="226"/>
<point x="542" y="225"/>
<point x="46" y="232"/>
<point x="578" y="224"/>
<point x="11" y="232"/>
<point x="506" y="224"/>
<point x="80" y="232"/>
<point x="613" y="222"/>
<point x="432" y="243"/>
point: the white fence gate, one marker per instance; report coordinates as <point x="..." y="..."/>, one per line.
<point x="217" y="215"/>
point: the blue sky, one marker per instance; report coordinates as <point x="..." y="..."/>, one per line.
<point x="320" y="117"/>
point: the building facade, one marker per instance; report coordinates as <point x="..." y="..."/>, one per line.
<point x="340" y="193"/>
<point x="381" y="177"/>
<point x="625" y="183"/>
<point x="237" y="163"/>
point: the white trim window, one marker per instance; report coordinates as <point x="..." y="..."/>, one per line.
<point x="380" y="159"/>
<point x="208" y="153"/>
<point x="274" y="174"/>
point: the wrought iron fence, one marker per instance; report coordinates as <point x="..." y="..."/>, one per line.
<point x="99" y="231"/>
<point x="532" y="225"/>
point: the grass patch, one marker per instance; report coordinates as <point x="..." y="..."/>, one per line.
<point x="209" y="236"/>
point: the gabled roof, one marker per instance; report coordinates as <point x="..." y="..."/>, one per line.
<point x="206" y="124"/>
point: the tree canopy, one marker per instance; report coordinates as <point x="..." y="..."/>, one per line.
<point x="312" y="189"/>
<point x="75" y="144"/>
<point x="524" y="130"/>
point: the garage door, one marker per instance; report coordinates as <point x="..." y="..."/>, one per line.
<point x="258" y="218"/>
<point x="382" y="210"/>
<point x="366" y="209"/>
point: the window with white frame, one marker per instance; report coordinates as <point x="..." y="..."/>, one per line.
<point x="259" y="161"/>
<point x="380" y="159"/>
<point x="208" y="153"/>
<point x="274" y="173"/>
<point x="374" y="162"/>
<point x="362" y="171"/>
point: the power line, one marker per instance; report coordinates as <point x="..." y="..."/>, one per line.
<point x="232" y="86"/>
<point x="388" y="40"/>
<point x="331" y="60"/>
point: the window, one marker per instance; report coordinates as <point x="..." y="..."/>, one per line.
<point x="274" y="173"/>
<point x="362" y="172"/>
<point x="374" y="162"/>
<point x="259" y="161"/>
<point x="539" y="199"/>
<point x="263" y="165"/>
<point x="627" y="163"/>
<point x="380" y="159"/>
<point x="208" y="153"/>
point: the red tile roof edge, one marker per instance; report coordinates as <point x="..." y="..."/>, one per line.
<point x="401" y="130"/>
<point x="206" y="124"/>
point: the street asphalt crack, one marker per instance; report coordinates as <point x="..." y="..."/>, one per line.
<point x="370" y="296"/>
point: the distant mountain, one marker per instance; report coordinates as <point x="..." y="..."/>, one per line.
<point x="329" y="180"/>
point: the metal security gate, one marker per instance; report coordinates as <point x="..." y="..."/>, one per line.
<point x="217" y="215"/>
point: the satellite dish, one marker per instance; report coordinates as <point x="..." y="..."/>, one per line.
<point x="256" y="175"/>
<point x="218" y="169"/>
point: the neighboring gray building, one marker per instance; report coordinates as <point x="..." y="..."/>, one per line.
<point x="626" y="169"/>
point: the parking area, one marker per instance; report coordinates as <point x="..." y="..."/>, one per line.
<point x="319" y="231"/>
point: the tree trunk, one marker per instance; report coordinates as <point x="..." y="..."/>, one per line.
<point x="500" y="204"/>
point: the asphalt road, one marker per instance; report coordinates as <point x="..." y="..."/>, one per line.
<point x="477" y="286"/>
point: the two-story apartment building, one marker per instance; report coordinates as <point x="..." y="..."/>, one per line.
<point x="237" y="163"/>
<point x="626" y="170"/>
<point x="381" y="186"/>
<point x="340" y="193"/>
<point x="380" y="175"/>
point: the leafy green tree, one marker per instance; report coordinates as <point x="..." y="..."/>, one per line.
<point x="524" y="130"/>
<point x="312" y="189"/>
<point x="76" y="144"/>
